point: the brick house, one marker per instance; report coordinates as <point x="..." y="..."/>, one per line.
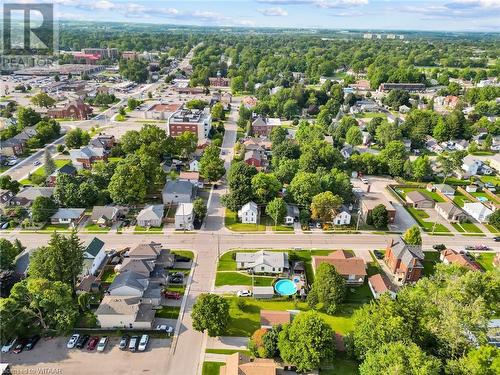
<point x="86" y="156"/>
<point x="351" y="268"/>
<point x="263" y="126"/>
<point x="254" y="158"/>
<point x="404" y="261"/>
<point x="76" y="110"/>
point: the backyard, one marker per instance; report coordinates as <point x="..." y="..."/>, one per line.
<point x="402" y="191"/>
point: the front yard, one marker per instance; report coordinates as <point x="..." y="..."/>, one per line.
<point x="168" y="312"/>
<point x="485" y="260"/>
<point x="428" y="226"/>
<point x="139" y="229"/>
<point x="40" y="171"/>
<point x="231" y="222"/>
<point x="94" y="228"/>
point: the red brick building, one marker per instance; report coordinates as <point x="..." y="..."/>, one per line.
<point x="197" y="122"/>
<point x="263" y="126"/>
<point x="404" y="261"/>
<point x="76" y="110"/>
<point x="86" y="156"/>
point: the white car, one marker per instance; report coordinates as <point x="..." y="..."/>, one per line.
<point x="164" y="327"/>
<point x="244" y="293"/>
<point x="364" y="180"/>
<point x="37" y="162"/>
<point x="9" y="345"/>
<point x="143" y="343"/>
<point x="72" y="341"/>
<point x="102" y="344"/>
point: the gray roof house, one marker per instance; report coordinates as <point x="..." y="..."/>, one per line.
<point x="404" y="261"/>
<point x="263" y="261"/>
<point x="178" y="192"/>
<point x="67" y="215"/>
<point x="445" y="189"/>
<point x="106" y="215"/>
<point x="151" y="216"/>
<point x="143" y="267"/>
<point x="26" y="196"/>
<point x="450" y="212"/>
<point x="133" y="284"/>
<point x="125" y="312"/>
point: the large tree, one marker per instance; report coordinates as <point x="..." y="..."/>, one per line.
<point x="325" y="206"/>
<point x="61" y="260"/>
<point x="354" y="136"/>
<point x="210" y="313"/>
<point x="265" y="186"/>
<point x="412" y="236"/>
<point x="276" y="210"/>
<point x="8" y="252"/>
<point x="484" y="360"/>
<point x="307" y="341"/>
<point x="76" y="138"/>
<point x="42" y="209"/>
<point x="211" y="165"/>
<point x="379" y="217"/>
<point x="43" y="100"/>
<point x="304" y="187"/>
<point x="128" y="184"/>
<point x="394" y="155"/>
<point x="240" y="185"/>
<point x="329" y="288"/>
<point x="397" y="358"/>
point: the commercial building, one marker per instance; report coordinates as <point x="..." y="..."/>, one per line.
<point x="195" y="121"/>
<point x="371" y="200"/>
<point x="412" y="87"/>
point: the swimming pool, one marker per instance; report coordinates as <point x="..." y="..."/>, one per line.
<point x="285" y="287"/>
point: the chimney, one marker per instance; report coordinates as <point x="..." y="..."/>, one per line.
<point x="368" y="188"/>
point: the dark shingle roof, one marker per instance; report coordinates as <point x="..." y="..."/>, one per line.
<point x="94" y="246"/>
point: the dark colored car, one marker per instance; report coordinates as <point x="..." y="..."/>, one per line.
<point x="32" y="342"/>
<point x="439" y="247"/>
<point x="92" y="343"/>
<point x="497" y="239"/>
<point x="378" y="254"/>
<point x="19" y="346"/>
<point x="172" y="295"/>
<point x="180" y="258"/>
<point x="82" y="341"/>
<point x="123" y="342"/>
<point x="176" y="278"/>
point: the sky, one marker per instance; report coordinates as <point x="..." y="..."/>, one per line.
<point x="437" y="15"/>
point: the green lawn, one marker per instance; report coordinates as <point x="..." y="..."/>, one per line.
<point x="238" y="278"/>
<point x="341" y="365"/>
<point x="460" y="199"/>
<point x="96" y="228"/>
<point x="139" y="229"/>
<point x="231" y="222"/>
<point x="56" y="227"/>
<point x="40" y="171"/>
<point x="108" y="276"/>
<point x="426" y="225"/>
<point x="212" y="368"/>
<point x="495" y="180"/>
<point x="433" y="195"/>
<point x="245" y="322"/>
<point x="429" y="263"/>
<point x="184" y="253"/>
<point x="228" y="351"/>
<point x="483" y="153"/>
<point x="486" y="260"/>
<point x="492" y="229"/>
<point x="467" y="228"/>
<point x="168" y="312"/>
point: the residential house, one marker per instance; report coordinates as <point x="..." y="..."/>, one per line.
<point x="194" y="165"/>
<point x="103" y="141"/>
<point x="343" y="217"/>
<point x="249" y="213"/>
<point x="432" y="145"/>
<point x="5" y="197"/>
<point x="371" y="200"/>
<point x="76" y="110"/>
<point x="107" y="215"/>
<point x="132" y="284"/>
<point x="411" y="87"/>
<point x="450" y="212"/>
<point x="478" y="211"/>
<point x="125" y="312"/>
<point x="184" y="216"/>
<point x="178" y="192"/>
<point x="193" y="177"/>
<point x="450" y="256"/>
<point x="240" y="364"/>
<point x="379" y="285"/>
<point x="68" y="216"/>
<point x="416" y="199"/>
<point x="219" y="81"/>
<point x="93" y="256"/>
<point x="255" y="158"/>
<point x="271" y="318"/>
<point x="367" y="138"/>
<point x="152" y="251"/>
<point x="66" y="169"/>
<point x="262" y="126"/>
<point x="84" y="157"/>
<point x="471" y="188"/>
<point x="347" y="151"/>
<point x="292" y="214"/>
<point x="143" y="267"/>
<point x="226" y="100"/>
<point x="262" y="261"/>
<point x="404" y="261"/>
<point x="352" y="268"/>
<point x="151" y="216"/>
<point x="261" y="144"/>
<point x="249" y="102"/>
<point x="16" y="145"/>
<point x="471" y="166"/>
<point x="28" y="194"/>
<point x="444" y="189"/>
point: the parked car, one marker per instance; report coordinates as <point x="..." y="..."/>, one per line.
<point x="364" y="180"/>
<point x="171" y="295"/>
<point x="37" y="162"/>
<point x="143" y="343"/>
<point x="176" y="278"/>
<point x="132" y="345"/>
<point x="5" y="225"/>
<point x="92" y="343"/>
<point x="9" y="345"/>
<point x="164" y="327"/>
<point x="497" y="239"/>
<point x="80" y="344"/>
<point x="32" y="342"/>
<point x="102" y="343"/>
<point x="244" y="293"/>
<point x="477" y="247"/>
<point x="123" y="342"/>
<point x="72" y="341"/>
<point x="439" y="247"/>
<point x="378" y="254"/>
<point x="19" y="346"/>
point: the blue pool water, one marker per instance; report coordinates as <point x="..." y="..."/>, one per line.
<point x="482" y="199"/>
<point x="285" y="287"/>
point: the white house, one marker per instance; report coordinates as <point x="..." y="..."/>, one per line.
<point x="343" y="217"/>
<point x="263" y="261"/>
<point x="151" y="216"/>
<point x="471" y="165"/>
<point x="67" y="216"/>
<point x="249" y="213"/>
<point x="93" y="256"/>
<point x="194" y="165"/>
<point x="184" y="216"/>
<point x="478" y="211"/>
<point x="125" y="312"/>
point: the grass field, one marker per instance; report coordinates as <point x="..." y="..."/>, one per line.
<point x="238" y="278"/>
<point x="108" y="276"/>
<point x="460" y="199"/>
<point x="184" y="253"/>
<point x="485" y="260"/>
<point x="495" y="180"/>
<point x="40" y="171"/>
<point x="211" y="368"/>
<point x="228" y="351"/>
<point x="429" y="263"/>
<point x="139" y="229"/>
<point x="341" y="365"/>
<point x="492" y="229"/>
<point x="433" y="195"/>
<point x="231" y="222"/>
<point x="428" y="226"/>
<point x="168" y="312"/>
<point x="243" y="322"/>
<point x="56" y="227"/>
<point x="96" y="228"/>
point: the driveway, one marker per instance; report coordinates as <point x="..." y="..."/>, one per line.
<point x="52" y="357"/>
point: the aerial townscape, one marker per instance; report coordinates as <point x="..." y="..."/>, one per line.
<point x="254" y="188"/>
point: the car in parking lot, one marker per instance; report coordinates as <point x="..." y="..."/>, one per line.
<point x="143" y="343"/>
<point x="92" y="343"/>
<point x="171" y="295"/>
<point x="164" y="327"/>
<point x="80" y="343"/>
<point x="19" y="346"/>
<point x="123" y="342"/>
<point x="32" y="342"/>
<point x="176" y="278"/>
<point x="72" y="341"/>
<point x="132" y="345"/>
<point x="102" y="343"/>
<point x="244" y="293"/>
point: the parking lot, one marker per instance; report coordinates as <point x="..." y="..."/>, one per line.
<point x="51" y="357"/>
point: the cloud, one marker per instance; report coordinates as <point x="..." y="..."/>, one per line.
<point x="458" y="9"/>
<point x="273" y="12"/>
<point x="318" y="3"/>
